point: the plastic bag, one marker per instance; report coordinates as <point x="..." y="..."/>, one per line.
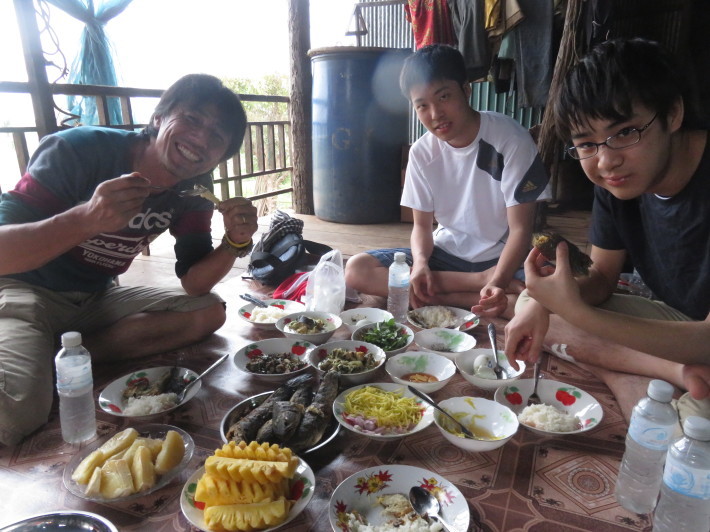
<point x="325" y="291"/>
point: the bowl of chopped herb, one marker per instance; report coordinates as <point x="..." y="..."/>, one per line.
<point x="392" y="337"/>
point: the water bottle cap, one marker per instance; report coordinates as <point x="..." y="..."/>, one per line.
<point x="399" y="256"/>
<point x="71" y="339"/>
<point x="660" y="391"/>
<point x="697" y="427"/>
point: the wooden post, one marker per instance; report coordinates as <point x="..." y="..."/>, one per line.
<point x="42" y="100"/>
<point x="300" y="108"/>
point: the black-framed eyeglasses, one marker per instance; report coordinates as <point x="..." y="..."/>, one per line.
<point x="623" y="139"/>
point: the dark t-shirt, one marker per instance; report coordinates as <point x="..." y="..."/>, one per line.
<point x="64" y="171"/>
<point x="668" y="240"/>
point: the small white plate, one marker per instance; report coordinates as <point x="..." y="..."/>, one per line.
<point x="286" y="305"/>
<point x="111" y="398"/>
<point x="152" y="430"/>
<point x="302" y="488"/>
<point x="565" y="397"/>
<point x="426" y="419"/>
<point x="360" y="491"/>
<point x="467" y="320"/>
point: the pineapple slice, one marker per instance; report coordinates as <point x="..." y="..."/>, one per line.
<point x="170" y="454"/>
<point x="116" y="479"/>
<point x="142" y="469"/>
<point x="85" y="469"/>
<point x="247" y="517"/>
<point x="93" y="488"/>
<point x="255" y="451"/>
<point x="118" y="442"/>
<point x="215" y="491"/>
<point x="243" y="470"/>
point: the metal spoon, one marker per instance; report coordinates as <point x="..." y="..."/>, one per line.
<point x="252" y="299"/>
<point x="181" y="395"/>
<point x="534" y="398"/>
<point x="431" y="401"/>
<point x="426" y="505"/>
<point x="497" y="369"/>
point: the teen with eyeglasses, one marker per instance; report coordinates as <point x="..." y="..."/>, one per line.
<point x="626" y="110"/>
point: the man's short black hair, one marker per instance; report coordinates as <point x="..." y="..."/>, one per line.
<point x="194" y="91"/>
<point x="436" y="62"/>
<point x="616" y="75"/>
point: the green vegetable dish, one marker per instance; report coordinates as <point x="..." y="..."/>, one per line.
<point x="348" y="361"/>
<point x="386" y="334"/>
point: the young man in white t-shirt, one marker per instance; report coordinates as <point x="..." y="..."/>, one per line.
<point x="479" y="175"/>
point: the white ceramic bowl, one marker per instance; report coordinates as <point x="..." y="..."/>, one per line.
<point x="357" y="317"/>
<point x="445" y="342"/>
<point x="465" y="319"/>
<point x="481" y="416"/>
<point x="274" y="346"/>
<point x="285" y="306"/>
<point x="467" y="363"/>
<point x="426" y="419"/>
<point x="418" y="362"/>
<point x="317" y="355"/>
<point x="565" y="397"/>
<point x="332" y="322"/>
<point x="360" y="332"/>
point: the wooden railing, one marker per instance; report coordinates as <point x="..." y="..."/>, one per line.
<point x="264" y="159"/>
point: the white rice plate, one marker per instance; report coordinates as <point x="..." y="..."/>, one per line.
<point x="437" y="316"/>
<point x="270" y="314"/>
<point x="548" y="418"/>
<point x="149" y="404"/>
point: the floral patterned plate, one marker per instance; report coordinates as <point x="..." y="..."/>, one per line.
<point x="111" y="398"/>
<point x="565" y="397"/>
<point x="297" y="349"/>
<point x="361" y="490"/>
<point x="302" y="489"/>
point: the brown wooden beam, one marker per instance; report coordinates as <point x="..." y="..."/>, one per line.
<point x="300" y="108"/>
<point x="42" y="101"/>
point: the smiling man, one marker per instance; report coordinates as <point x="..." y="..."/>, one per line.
<point x="92" y="198"/>
<point x="627" y="109"/>
<point x="479" y="175"/>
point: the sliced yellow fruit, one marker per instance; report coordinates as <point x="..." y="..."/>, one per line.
<point x="116" y="479"/>
<point x="246" y="517"/>
<point x="255" y="451"/>
<point x="118" y="442"/>
<point x="216" y="491"/>
<point x="85" y="469"/>
<point x="93" y="488"/>
<point x="243" y="470"/>
<point x="142" y="469"/>
<point x="170" y="454"/>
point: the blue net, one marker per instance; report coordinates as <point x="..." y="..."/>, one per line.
<point x="94" y="63"/>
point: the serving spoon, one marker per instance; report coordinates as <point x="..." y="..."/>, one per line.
<point x="426" y="505"/>
<point x="431" y="401"/>
<point x="183" y="393"/>
<point x="252" y="299"/>
<point x="497" y="369"/>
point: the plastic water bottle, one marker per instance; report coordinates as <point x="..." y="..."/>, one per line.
<point x="685" y="493"/>
<point x="653" y="422"/>
<point x="75" y="386"/>
<point x="398" y="288"/>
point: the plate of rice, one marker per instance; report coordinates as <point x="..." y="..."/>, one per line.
<point x="146" y="392"/>
<point x="266" y="318"/>
<point x="565" y="409"/>
<point x="376" y="499"/>
<point x="440" y="316"/>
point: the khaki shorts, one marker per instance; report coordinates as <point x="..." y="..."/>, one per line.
<point x="31" y="321"/>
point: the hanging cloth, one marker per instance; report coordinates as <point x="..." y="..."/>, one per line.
<point x="94" y="63"/>
<point x="431" y="22"/>
<point x="467" y="17"/>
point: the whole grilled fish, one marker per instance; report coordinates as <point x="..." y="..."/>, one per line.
<point x="546" y="243"/>
<point x="286" y="418"/>
<point x="317" y="415"/>
<point x="246" y="428"/>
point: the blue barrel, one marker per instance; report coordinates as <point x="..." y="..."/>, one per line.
<point x="360" y="123"/>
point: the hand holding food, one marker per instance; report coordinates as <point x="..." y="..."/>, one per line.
<point x="546" y="243"/>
